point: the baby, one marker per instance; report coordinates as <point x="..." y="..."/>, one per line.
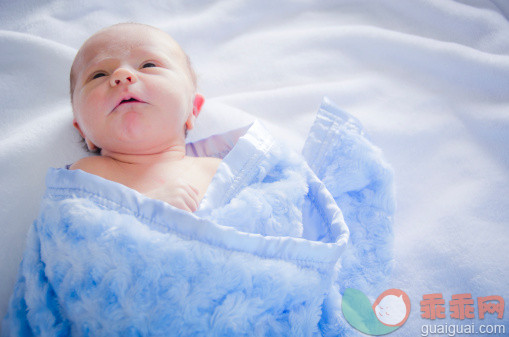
<point x="133" y="94"/>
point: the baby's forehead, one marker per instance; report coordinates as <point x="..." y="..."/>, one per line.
<point x="116" y="41"/>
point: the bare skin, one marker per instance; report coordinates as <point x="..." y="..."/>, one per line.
<point x="179" y="180"/>
<point x="133" y="97"/>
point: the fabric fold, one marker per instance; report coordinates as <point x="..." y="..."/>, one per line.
<point x="261" y="253"/>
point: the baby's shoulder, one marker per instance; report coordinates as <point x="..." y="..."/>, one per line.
<point x="207" y="163"/>
<point x="94" y="164"/>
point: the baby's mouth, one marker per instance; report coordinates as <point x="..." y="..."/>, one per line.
<point x="129" y="100"/>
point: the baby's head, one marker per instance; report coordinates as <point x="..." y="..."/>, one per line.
<point x="133" y="90"/>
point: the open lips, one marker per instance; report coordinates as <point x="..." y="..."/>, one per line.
<point x="128" y="100"/>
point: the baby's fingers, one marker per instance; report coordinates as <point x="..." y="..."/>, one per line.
<point x="194" y="190"/>
<point x="192" y="200"/>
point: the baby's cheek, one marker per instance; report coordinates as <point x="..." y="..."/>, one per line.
<point x="86" y="102"/>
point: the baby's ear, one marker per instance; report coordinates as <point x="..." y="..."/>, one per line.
<point x="197" y="104"/>
<point x="91" y="147"/>
<point x="77" y="126"/>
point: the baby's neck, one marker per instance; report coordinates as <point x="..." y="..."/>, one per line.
<point x="169" y="155"/>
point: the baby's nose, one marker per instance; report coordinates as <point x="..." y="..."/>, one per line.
<point x="122" y="76"/>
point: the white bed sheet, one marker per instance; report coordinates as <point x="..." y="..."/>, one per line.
<point x="429" y="80"/>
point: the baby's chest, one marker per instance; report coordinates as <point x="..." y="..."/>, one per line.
<point x="197" y="173"/>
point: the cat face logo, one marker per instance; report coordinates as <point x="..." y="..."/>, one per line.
<point x="392" y="307"/>
<point x="388" y="313"/>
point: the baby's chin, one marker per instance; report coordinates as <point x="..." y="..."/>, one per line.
<point x="142" y="132"/>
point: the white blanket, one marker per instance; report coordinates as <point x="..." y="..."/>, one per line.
<point x="429" y="80"/>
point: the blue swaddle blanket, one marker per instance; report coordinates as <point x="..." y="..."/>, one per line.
<point x="259" y="257"/>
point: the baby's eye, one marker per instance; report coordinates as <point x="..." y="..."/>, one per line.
<point x="148" y="65"/>
<point x="97" y="75"/>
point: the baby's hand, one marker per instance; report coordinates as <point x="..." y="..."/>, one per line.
<point x="178" y="193"/>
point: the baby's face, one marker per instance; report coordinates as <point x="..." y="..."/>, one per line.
<point x="133" y="91"/>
